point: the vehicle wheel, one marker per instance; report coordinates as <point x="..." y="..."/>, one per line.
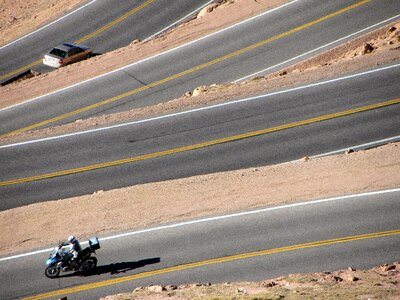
<point x="52" y="272"/>
<point x="89" y="264"/>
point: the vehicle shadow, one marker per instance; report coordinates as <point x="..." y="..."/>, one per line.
<point x="115" y="268"/>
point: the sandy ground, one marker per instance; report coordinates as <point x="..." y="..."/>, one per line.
<point x="155" y="203"/>
<point x="381" y="282"/>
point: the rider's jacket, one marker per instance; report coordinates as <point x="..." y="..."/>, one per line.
<point x="75" y="247"/>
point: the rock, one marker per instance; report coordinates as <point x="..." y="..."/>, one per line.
<point x="305" y="158"/>
<point x="188" y="94"/>
<point x="390" y="30"/>
<point x="351" y="269"/>
<point x="138" y="289"/>
<point x="241" y="290"/>
<point x="199" y="90"/>
<point x="348" y="151"/>
<point x="197" y="284"/>
<point x="183" y="286"/>
<point x="387" y="267"/>
<point x="368" y="48"/>
<point x="135" y="42"/>
<point x="352" y="278"/>
<point x="12" y="19"/>
<point x="171" y="287"/>
<point x="206" y="10"/>
<point x="326" y="272"/>
<point x="156" y="288"/>
<point x="283" y="73"/>
<point x="337" y="278"/>
<point x="268" y="284"/>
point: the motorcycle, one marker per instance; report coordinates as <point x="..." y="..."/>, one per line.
<point x="60" y="259"/>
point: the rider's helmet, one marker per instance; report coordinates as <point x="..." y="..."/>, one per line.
<point x="71" y="239"/>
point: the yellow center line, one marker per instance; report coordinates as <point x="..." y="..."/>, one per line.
<point x="186" y="72"/>
<point x="89" y="36"/>
<point x="201" y="145"/>
<point x="100" y="284"/>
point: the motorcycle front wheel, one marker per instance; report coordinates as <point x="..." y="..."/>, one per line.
<point x="52" y="271"/>
<point x="89" y="263"/>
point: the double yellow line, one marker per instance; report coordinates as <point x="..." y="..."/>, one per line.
<point x="186" y="72"/>
<point x="203" y="144"/>
<point x="95" y="285"/>
<point x="89" y="36"/>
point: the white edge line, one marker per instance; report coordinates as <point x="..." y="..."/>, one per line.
<point x="199" y="109"/>
<point x="48" y="25"/>
<point x="217" y="218"/>
<point x="148" y="58"/>
<point x="317" y="49"/>
<point x="366" y="145"/>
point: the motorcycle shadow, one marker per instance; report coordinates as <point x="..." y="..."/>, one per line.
<point x="116" y="268"/>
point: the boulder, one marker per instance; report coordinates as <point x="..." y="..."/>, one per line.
<point x="387" y="267"/>
<point x="241" y="290"/>
<point x="199" y="90"/>
<point x="156" y="289"/>
<point x="206" y="10"/>
<point x="368" y="48"/>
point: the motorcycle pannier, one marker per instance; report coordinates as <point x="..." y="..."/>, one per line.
<point x="94" y="243"/>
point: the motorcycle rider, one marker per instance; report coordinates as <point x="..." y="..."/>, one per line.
<point x="75" y="250"/>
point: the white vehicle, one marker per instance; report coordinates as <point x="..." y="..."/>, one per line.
<point x="66" y="54"/>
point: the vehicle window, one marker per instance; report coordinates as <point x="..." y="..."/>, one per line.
<point x="58" y="52"/>
<point x="72" y="51"/>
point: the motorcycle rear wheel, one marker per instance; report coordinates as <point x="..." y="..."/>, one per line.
<point x="52" y="271"/>
<point x="89" y="263"/>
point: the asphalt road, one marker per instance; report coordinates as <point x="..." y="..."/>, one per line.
<point x="154" y="152"/>
<point x="285" y="229"/>
<point x="266" y="41"/>
<point x="102" y="25"/>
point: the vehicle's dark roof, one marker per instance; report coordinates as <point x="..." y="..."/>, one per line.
<point x="67" y="46"/>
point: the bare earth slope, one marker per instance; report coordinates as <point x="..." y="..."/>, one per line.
<point x="378" y="283"/>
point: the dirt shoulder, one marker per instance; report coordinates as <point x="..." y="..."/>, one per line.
<point x="382" y="282"/>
